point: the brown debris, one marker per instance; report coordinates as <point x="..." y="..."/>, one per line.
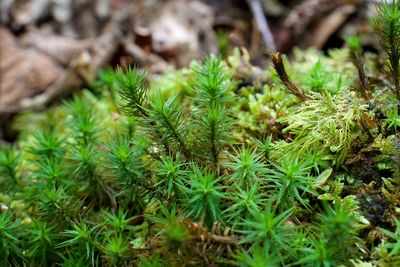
<point x="70" y="40"/>
<point x="57" y="81"/>
<point x="330" y="25"/>
<point x="313" y="22"/>
<point x="184" y="29"/>
<point x="280" y="69"/>
<point x="60" y="48"/>
<point x="24" y="72"/>
<point x="262" y="24"/>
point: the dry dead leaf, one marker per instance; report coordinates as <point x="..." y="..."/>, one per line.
<point x="5" y="7"/>
<point x="330" y="25"/>
<point x="152" y="61"/>
<point x="60" y="48"/>
<point x="302" y="22"/>
<point x="24" y="72"/>
<point x="182" y="29"/>
<point x="81" y="70"/>
<point x="28" y="12"/>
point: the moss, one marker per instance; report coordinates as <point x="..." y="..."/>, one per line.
<point x="204" y="166"/>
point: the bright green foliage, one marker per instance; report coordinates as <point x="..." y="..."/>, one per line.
<point x="318" y="253"/>
<point x="213" y="94"/>
<point x="72" y="260"/>
<point x="46" y="144"/>
<point x="174" y="231"/>
<point x="387" y="28"/>
<point x="126" y="167"/>
<point x="317" y="74"/>
<point x="247" y="168"/>
<point x="166" y="116"/>
<point x="204" y="194"/>
<point x="9" y="163"/>
<point x="107" y="81"/>
<point x="213" y="165"/>
<point x="393" y="120"/>
<point x="391" y="154"/>
<point x="391" y="247"/>
<point x="116" y="224"/>
<point x="132" y="90"/>
<point x="333" y="240"/>
<point x="54" y="204"/>
<point x="51" y="172"/>
<point x="213" y="83"/>
<point x="317" y="160"/>
<point x="179" y="178"/>
<point x="268" y="227"/>
<point x="320" y="78"/>
<point x="10" y="249"/>
<point x="82" y="121"/>
<point x="292" y="181"/>
<point x="84" y="161"/>
<point x="354" y="43"/>
<point x="265" y="146"/>
<point x="338" y="229"/>
<point x="116" y="250"/>
<point x="258" y="111"/>
<point x="155" y="261"/>
<point x="213" y="125"/>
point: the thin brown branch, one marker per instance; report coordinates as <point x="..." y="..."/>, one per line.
<point x="363" y="86"/>
<point x="262" y="24"/>
<point x="201" y="234"/>
<point x="81" y="70"/>
<point x="218" y="239"/>
<point x="280" y="69"/>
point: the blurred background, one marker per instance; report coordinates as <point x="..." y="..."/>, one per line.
<point x="49" y="48"/>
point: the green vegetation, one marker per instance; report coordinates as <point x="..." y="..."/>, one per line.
<point x="200" y="168"/>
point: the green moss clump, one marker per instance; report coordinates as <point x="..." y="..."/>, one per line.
<point x="203" y="166"/>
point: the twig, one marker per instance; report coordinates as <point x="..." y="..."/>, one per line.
<point x="4" y="143"/>
<point x="358" y="61"/>
<point x="199" y="233"/>
<point x="82" y="68"/>
<point x="153" y="61"/>
<point x="218" y="239"/>
<point x="280" y="69"/>
<point x="262" y="23"/>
